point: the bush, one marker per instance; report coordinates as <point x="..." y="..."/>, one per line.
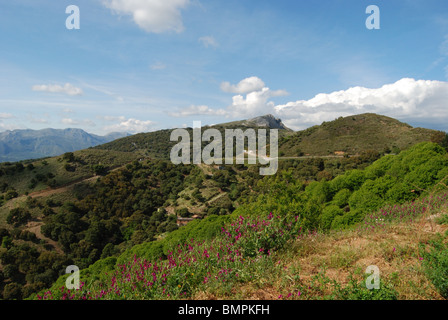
<point x="18" y="216"/>
<point x="358" y="291"/>
<point x="12" y="291"/>
<point x="328" y="215"/>
<point x="341" y="198"/>
<point x="11" y="194"/>
<point x="69" y="167"/>
<point x="69" y="156"/>
<point x="99" y="169"/>
<point x="435" y="264"/>
<point x="183" y="212"/>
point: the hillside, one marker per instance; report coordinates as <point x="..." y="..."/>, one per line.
<point x="158" y="145"/>
<point x="19" y="145"/>
<point x="354" y="134"/>
<point x="391" y="200"/>
<point x="97" y="205"/>
<point x="350" y="135"/>
<point x="310" y="266"/>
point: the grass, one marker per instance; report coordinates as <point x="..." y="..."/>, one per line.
<point x="270" y="258"/>
<point x="354" y="134"/>
<point x="20" y="181"/>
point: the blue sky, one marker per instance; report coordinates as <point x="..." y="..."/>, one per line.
<point x="143" y="65"/>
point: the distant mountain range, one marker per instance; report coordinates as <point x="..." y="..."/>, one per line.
<point x="19" y="145"/>
<point x="345" y="135"/>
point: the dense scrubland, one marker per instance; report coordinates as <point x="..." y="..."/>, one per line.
<point x="308" y="232"/>
<point x="374" y="216"/>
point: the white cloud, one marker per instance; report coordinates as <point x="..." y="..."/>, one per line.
<point x="158" y="66"/>
<point x="155" y="16"/>
<point x="407" y="99"/>
<point x="255" y="102"/>
<point x="68" y="89"/>
<point x="6" y="115"/>
<point x="74" y="122"/>
<point x="244" y="86"/>
<point x="112" y="118"/>
<point x="68" y="110"/>
<point x="131" y="126"/>
<point x="6" y="127"/>
<point x="3" y="126"/>
<point x="198" y="110"/>
<point x="38" y="120"/>
<point x="71" y="122"/>
<point x="208" y="41"/>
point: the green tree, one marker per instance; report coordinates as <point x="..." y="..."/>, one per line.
<point x="6" y="242"/>
<point x="18" y="216"/>
<point x="12" y="291"/>
<point x="69" y="156"/>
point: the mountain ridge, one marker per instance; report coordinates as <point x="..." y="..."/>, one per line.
<point x="268" y="121"/>
<point x="345" y="135"/>
<point x="24" y="144"/>
<point x="354" y="134"/>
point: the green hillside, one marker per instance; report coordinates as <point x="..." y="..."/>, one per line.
<point x="93" y="206"/>
<point x="254" y="252"/>
<point x="350" y="135"/>
<point x="354" y="134"/>
<point x="29" y="176"/>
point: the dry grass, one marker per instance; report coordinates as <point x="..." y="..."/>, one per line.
<point x="393" y="249"/>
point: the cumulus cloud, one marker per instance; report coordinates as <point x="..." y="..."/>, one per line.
<point x="131" y="126"/>
<point x="247" y="85"/>
<point x="253" y="99"/>
<point x="254" y="103"/>
<point x="208" y="41"/>
<point x="418" y="102"/>
<point x="256" y="100"/>
<point x="71" y="122"/>
<point x="68" y="89"/>
<point x="155" y="16"/>
<point x="407" y="99"/>
<point x="197" y="111"/>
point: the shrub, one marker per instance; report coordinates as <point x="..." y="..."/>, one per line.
<point x="12" y="291"/>
<point x="435" y="264"/>
<point x="18" y="216"/>
<point x="69" y="156"/>
<point x="328" y="215"/>
<point x="355" y="290"/>
<point x="183" y="212"/>
<point x="11" y="194"/>
<point x="340" y="199"/>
